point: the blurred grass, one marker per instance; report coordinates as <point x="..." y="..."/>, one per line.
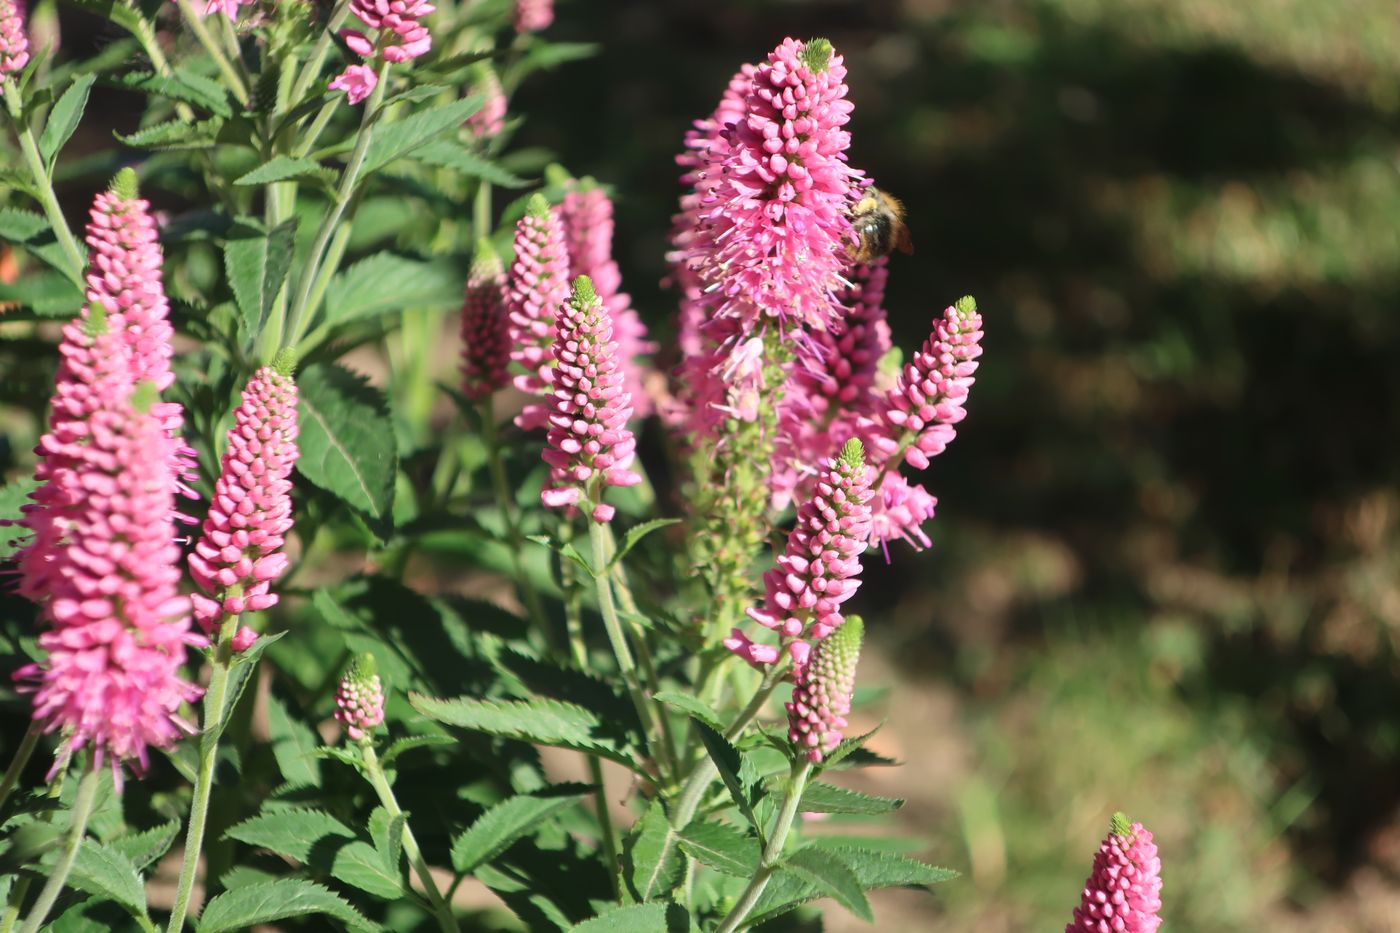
<point x="1166" y="575"/>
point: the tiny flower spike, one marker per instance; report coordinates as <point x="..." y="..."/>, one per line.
<point x="537" y="287"/>
<point x="533" y="15"/>
<point x="240" y="553"/>
<point x="14" y="42"/>
<point x="359" y="701"/>
<point x="357" y="81"/>
<point x="491" y="118"/>
<point x="820" y="568"/>
<point x="118" y="626"/>
<point x="928" y="399"/>
<point x="590" y="446"/>
<point x="824" y="678"/>
<point x="485" y="329"/>
<point x="773" y="240"/>
<point x="1123" y="894"/>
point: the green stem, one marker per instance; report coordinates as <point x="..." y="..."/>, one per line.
<point x="312" y="69"/>
<point x="629" y="606"/>
<point x="43" y="186"/>
<point x="214" y="712"/>
<point x="310" y="272"/>
<point x="21" y="759"/>
<point x="441" y="909"/>
<point x="82" y="811"/>
<point x="772" y="853"/>
<point x="601" y="537"/>
<point x="481" y="211"/>
<point x="201" y="32"/>
<point x="528" y="595"/>
<point x="318" y="125"/>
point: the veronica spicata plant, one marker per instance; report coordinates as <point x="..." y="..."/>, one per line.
<point x="299" y="597"/>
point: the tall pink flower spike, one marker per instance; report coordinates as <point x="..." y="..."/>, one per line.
<point x="14" y="41"/>
<point x="587" y="215"/>
<point x="485" y="330"/>
<point x="536" y="288"/>
<point x="820" y="567"/>
<point x="824" y="679"/>
<point x="590" y="447"/>
<point x="117" y="624"/>
<point x="240" y="553"/>
<point x="1124" y="891"/>
<point x="773" y="239"/>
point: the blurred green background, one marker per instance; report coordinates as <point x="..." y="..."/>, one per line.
<point x="1166" y="574"/>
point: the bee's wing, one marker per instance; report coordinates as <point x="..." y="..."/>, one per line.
<point x="902" y="241"/>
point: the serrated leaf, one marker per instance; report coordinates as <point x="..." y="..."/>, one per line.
<point x="47" y="294"/>
<point x="386" y="282"/>
<point x="347" y="438"/>
<point x="853" y="746"/>
<point x="360" y="866"/>
<point x="654" y="858"/>
<point x="175" y="134"/>
<point x="832" y="878"/>
<point x="636" y="533"/>
<point x="257" y="265"/>
<point x="412" y="742"/>
<point x="281" y="168"/>
<point x="500" y="827"/>
<point x="691" y="706"/>
<point x="876" y="869"/>
<point x="64" y="117"/>
<point x="737" y="776"/>
<point x="293" y="745"/>
<point x="145" y="848"/>
<point x="544" y="722"/>
<point x="13" y="497"/>
<point x="721" y="847"/>
<point x="291" y="832"/>
<point x="453" y="155"/>
<point x="634" y="918"/>
<point x="564" y="549"/>
<point x="390" y="141"/>
<point x="186" y="86"/>
<point x="387" y="833"/>
<point x="828" y="798"/>
<point x="33" y="233"/>
<point x="276" y="900"/>
<point x="104" y="871"/>
<point x="241" y="674"/>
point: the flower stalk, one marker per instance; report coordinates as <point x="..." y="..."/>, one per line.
<point x="773" y="852"/>
<point x="77" y="829"/>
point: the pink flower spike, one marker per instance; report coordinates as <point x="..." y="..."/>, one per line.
<point x="537" y="287"/>
<point x="243" y="639"/>
<point x="357" y="81"/>
<point x="821" y="695"/>
<point x="402" y="35"/>
<point x="239" y="554"/>
<point x="490" y="120"/>
<point x="590" y="446"/>
<point x="1123" y="893"/>
<point x="899" y="510"/>
<point x="533" y="15"/>
<point x="14" y="41"/>
<point x="485" y="328"/>
<point x="227" y="7"/>
<point x="359" y="700"/>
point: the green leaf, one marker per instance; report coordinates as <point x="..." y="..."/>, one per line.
<point x="347" y="438"/>
<point x="721" y="847"/>
<point x="387" y="833"/>
<point x="360" y="866"/>
<point x="241" y="674"/>
<point x="175" y="134"/>
<point x="828" y="798"/>
<point x="653" y="856"/>
<point x="691" y="706"/>
<point x="637" y="532"/>
<point x="544" y="722"/>
<point x="33" y="233"/>
<point x="248" y="906"/>
<point x="257" y="265"/>
<point x="385" y="283"/>
<point x="877" y="869"/>
<point x="501" y="826"/>
<point x="736" y="773"/>
<point x="281" y="168"/>
<point x="13" y="497"/>
<point x="832" y="878"/>
<point x="145" y="848"/>
<point x="104" y="871"/>
<point x="412" y="742"/>
<point x="634" y="918"/>
<point x="293" y="745"/>
<point x="293" y="833"/>
<point x="564" y="549"/>
<point x="48" y="294"/>
<point x="64" y="117"/>
<point x="390" y="141"/>
<point x="186" y="86"/>
<point x="453" y="155"/>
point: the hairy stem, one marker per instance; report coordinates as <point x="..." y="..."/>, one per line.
<point x="196" y="23"/>
<point x="504" y="499"/>
<point x="21" y="759"/>
<point x="43" y="186"/>
<point x="773" y="852"/>
<point x="82" y="812"/>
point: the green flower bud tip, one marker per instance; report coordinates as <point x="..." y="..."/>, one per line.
<point x="362" y="668"/>
<point x="96" y="323"/>
<point x="144" y="396"/>
<point x="853" y="454"/>
<point x="584" y="293"/>
<point x="816" y="55"/>
<point x="124" y="184"/>
<point x="557" y="176"/>
<point x="537" y="206"/>
<point x="285" y="362"/>
<point x="966" y="305"/>
<point x="1120" y="825"/>
<point x="486" y="262"/>
<point x="849" y="637"/>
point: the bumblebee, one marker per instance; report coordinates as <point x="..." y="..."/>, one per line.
<point x="879" y="221"/>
